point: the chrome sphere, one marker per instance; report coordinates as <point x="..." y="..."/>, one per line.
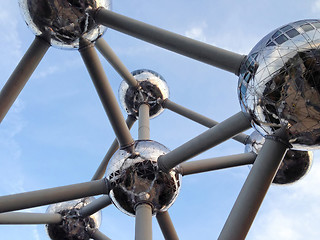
<point x="279" y="83"/>
<point x="294" y="166"/>
<point x="135" y="178"/>
<point x="153" y="89"/>
<point x="63" y="22"/>
<point x="73" y="226"/>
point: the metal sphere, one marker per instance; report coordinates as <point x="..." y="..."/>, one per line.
<point x="279" y="83"/>
<point x="63" y="22"/>
<point x="135" y="178"/>
<point x="153" y="89"/>
<point x="295" y="163"/>
<point x="73" y="226"/>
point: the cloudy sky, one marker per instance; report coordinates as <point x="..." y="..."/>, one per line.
<point x="57" y="132"/>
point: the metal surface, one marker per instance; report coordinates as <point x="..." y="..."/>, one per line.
<point x="143" y="227"/>
<point x="295" y="164"/>
<point x="106" y="95"/>
<point x="116" y="63"/>
<point x="255" y="187"/>
<point x="200" y="51"/>
<point x="144" y="122"/>
<point x="135" y="177"/>
<point x="153" y="89"/>
<point x="21" y="75"/>
<point x="166" y="226"/>
<point x="279" y="83"/>
<point x="167" y="103"/>
<point x="210" y="138"/>
<point x="52" y="195"/>
<point x="211" y="164"/>
<point x="73" y="225"/>
<point x="113" y="148"/>
<point x="63" y="23"/>
<point x="29" y="218"/>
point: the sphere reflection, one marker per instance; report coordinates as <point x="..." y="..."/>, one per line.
<point x="279" y="83"/>
<point x="73" y="226"/>
<point x="135" y="178"/>
<point x="62" y="22"/>
<point x="153" y="90"/>
<point x="294" y="166"/>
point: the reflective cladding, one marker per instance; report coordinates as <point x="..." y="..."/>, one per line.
<point x="279" y="83"/>
<point x="153" y="89"/>
<point x="135" y="178"/>
<point x="295" y="163"/>
<point x="63" y="22"/>
<point x="73" y="226"/>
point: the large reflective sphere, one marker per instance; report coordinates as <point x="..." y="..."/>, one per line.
<point x="73" y="226"/>
<point x="279" y="83"/>
<point x="136" y="179"/>
<point x="63" y="22"/>
<point x="153" y="90"/>
<point x="294" y="166"/>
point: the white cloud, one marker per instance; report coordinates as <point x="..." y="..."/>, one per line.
<point x="46" y="72"/>
<point x="197" y="32"/>
<point x="290" y="212"/>
<point x="316" y="6"/>
<point x="10" y="35"/>
<point x="223" y="39"/>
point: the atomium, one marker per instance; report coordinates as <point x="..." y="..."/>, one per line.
<point x="279" y="83"/>
<point x="278" y="89"/>
<point x="135" y="178"/>
<point x="73" y="225"/>
<point x="153" y="90"/>
<point x="295" y="164"/>
<point x="63" y="23"/>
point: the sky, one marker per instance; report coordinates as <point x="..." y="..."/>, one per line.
<point x="57" y="132"/>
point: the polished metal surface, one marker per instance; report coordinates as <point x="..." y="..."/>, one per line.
<point x="73" y="226"/>
<point x="62" y="22"/>
<point x="136" y="179"/>
<point x="279" y="83"/>
<point x="153" y="89"/>
<point x="295" y="164"/>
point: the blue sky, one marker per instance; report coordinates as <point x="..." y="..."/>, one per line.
<point x="57" y="131"/>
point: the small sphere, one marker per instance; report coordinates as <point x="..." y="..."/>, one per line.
<point x="73" y="226"/>
<point x="295" y="163"/>
<point x="63" y="22"/>
<point x="135" y="178"/>
<point x="153" y="89"/>
<point x="279" y="83"/>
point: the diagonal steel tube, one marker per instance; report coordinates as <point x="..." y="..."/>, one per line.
<point x="211" y="164"/>
<point x="52" y="195"/>
<point x="143" y="226"/>
<point x="107" y="97"/>
<point x="210" y="138"/>
<point x="166" y="226"/>
<point x="95" y="206"/>
<point x="144" y="122"/>
<point x="116" y="63"/>
<point x="21" y="74"/>
<point x="30" y="218"/>
<point x="167" y="103"/>
<point x="200" y="51"/>
<point x="97" y="235"/>
<point x="255" y="187"/>
<point x="113" y="148"/>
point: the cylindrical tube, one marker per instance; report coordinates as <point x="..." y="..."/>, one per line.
<point x="200" y="51"/>
<point x="255" y="188"/>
